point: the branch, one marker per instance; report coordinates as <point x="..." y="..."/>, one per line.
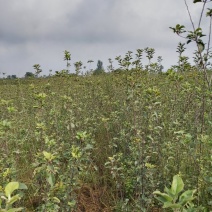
<point x="209" y="39"/>
<point x="202" y="13"/>
<point x="189" y="15"/>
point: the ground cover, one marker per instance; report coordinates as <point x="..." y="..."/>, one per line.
<point x="105" y="142"/>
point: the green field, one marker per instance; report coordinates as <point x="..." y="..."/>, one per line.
<point x="106" y="142"/>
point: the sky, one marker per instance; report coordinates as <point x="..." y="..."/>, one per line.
<point x="39" y="31"/>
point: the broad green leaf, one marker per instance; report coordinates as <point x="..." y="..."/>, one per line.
<point x="14" y="199"/>
<point x="209" y="190"/>
<point x="15" y="209"/>
<point x="72" y="203"/>
<point x="162" y="196"/>
<point x="88" y="146"/>
<point x="208" y="179"/>
<point x="10" y="187"/>
<point x="56" y="200"/>
<point x="177" y="185"/>
<point x="201" y="46"/>
<point x="186" y="197"/>
<point x="47" y="155"/>
<point x="22" y="186"/>
<point x="181" y="132"/>
<point x="50" y="179"/>
<point x="169" y="192"/>
<point x="171" y="205"/>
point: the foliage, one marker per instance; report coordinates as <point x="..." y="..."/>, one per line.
<point x="38" y="69"/>
<point x="67" y="58"/>
<point x="106" y="142"/>
<point x="7" y="199"/>
<point x="99" y="69"/>
<point x="123" y="138"/>
<point x="78" y="67"/>
<point x="203" y="53"/>
<point x="11" y="77"/>
<point x="29" y="74"/>
<point x="173" y="199"/>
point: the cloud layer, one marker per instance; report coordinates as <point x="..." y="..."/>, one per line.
<point x="37" y="31"/>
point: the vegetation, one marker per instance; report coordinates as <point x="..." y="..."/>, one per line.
<point x="105" y="141"/>
<point x="173" y="199"/>
<point x="99" y="69"/>
<point x="110" y="141"/>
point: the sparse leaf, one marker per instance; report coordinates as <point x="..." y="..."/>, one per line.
<point x="189" y="41"/>
<point x="209" y="13"/>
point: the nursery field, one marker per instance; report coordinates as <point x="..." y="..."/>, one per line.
<point x="105" y="142"/>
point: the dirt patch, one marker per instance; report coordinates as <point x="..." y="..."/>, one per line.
<point x="93" y="199"/>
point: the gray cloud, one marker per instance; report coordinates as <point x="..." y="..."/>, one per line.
<point x="37" y="31"/>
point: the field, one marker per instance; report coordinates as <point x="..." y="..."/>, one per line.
<point x="105" y="142"/>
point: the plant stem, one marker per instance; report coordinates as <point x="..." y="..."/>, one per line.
<point x="202" y="13"/>
<point x="189" y="15"/>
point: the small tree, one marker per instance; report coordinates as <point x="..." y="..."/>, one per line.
<point x="110" y="67"/>
<point x="99" y="69"/>
<point x="67" y="58"/>
<point x="203" y="53"/>
<point x="78" y="67"/>
<point x="11" y="77"/>
<point x="29" y="74"/>
<point x="37" y="68"/>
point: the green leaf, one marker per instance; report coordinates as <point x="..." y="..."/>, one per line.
<point x="208" y="179"/>
<point x="72" y="203"/>
<point x="10" y="187"/>
<point x="201" y="46"/>
<point x="177" y="185"/>
<point x="47" y="155"/>
<point x="186" y="197"/>
<point x="22" y="186"/>
<point x="195" y="1"/>
<point x="56" y="200"/>
<point x="88" y="146"/>
<point x="15" y="209"/>
<point x="50" y="179"/>
<point x="169" y="192"/>
<point x="14" y="199"/>
<point x="209" y="13"/>
<point x="171" y="205"/>
<point x="189" y="41"/>
<point x="163" y="197"/>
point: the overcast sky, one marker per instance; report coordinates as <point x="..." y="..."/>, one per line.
<point x="38" y="31"/>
